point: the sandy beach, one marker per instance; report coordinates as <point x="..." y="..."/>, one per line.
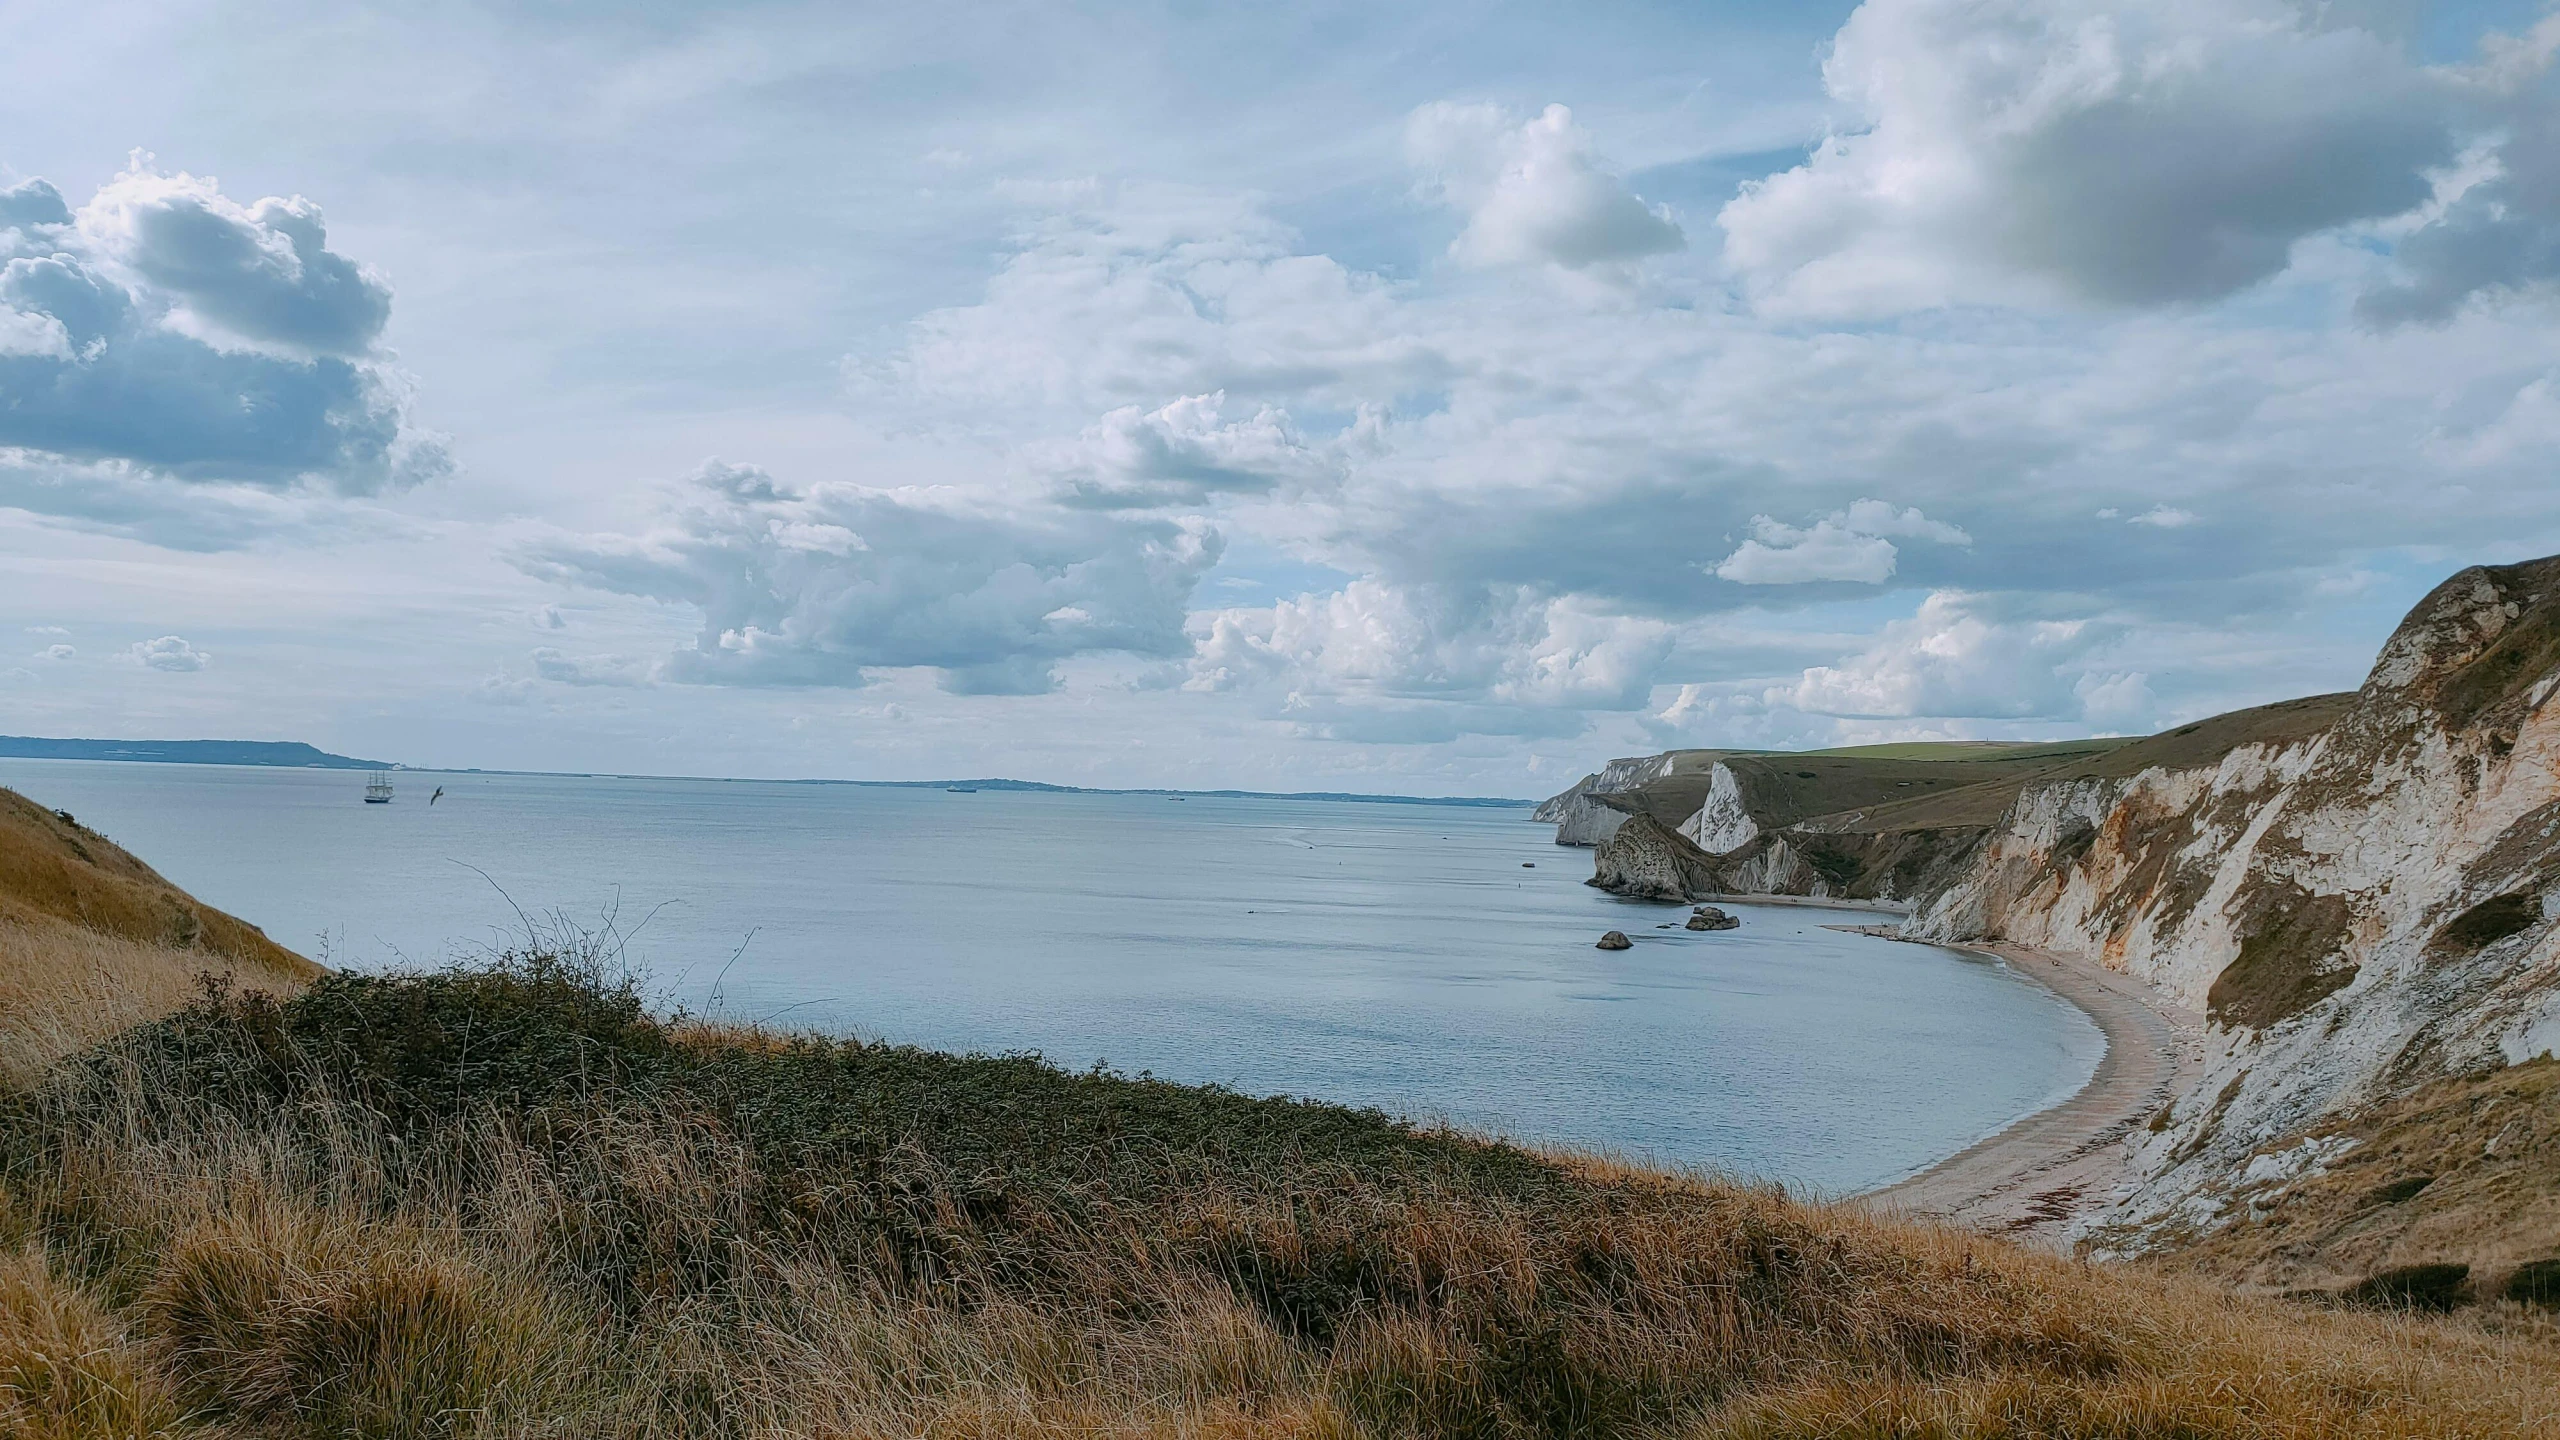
<point x="2036" y="1179"/>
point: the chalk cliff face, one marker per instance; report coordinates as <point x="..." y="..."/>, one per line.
<point x="1724" y="823"/>
<point x="1581" y="820"/>
<point x="1647" y="860"/>
<point x="2360" y="892"/>
<point x="2359" y="912"/>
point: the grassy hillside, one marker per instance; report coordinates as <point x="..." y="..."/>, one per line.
<point x="2455" y="1186"/>
<point x="93" y="940"/>
<point x="1982" y="804"/>
<point x="511" y="1202"/>
<point x="1786" y="788"/>
<point x="1957" y="787"/>
<point x="2046" y="750"/>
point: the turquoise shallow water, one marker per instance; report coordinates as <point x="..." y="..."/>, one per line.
<point x="1392" y="955"/>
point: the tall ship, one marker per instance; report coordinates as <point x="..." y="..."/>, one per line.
<point x="377" y="791"/>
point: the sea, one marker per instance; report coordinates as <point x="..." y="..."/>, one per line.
<point x="1431" y="961"/>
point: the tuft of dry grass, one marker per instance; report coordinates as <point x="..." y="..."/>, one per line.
<point x="349" y="1326"/>
<point x="68" y="1370"/>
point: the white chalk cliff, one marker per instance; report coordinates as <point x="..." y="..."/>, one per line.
<point x="2359" y="912"/>
<point x="1581" y="820"/>
<point x="2362" y="892"/>
<point x="1724" y="823"/>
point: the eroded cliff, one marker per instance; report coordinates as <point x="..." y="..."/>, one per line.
<point x="2361" y="892"/>
<point x="2361" y="910"/>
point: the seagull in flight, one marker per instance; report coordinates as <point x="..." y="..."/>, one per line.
<point x="436" y="796"/>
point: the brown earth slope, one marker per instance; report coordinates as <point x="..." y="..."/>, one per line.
<point x="93" y="940"/>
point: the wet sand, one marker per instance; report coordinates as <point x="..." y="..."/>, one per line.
<point x="2038" y="1179"/>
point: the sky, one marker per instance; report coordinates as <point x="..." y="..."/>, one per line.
<point x="1434" y="398"/>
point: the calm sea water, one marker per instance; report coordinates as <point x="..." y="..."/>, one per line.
<point x="1390" y="955"/>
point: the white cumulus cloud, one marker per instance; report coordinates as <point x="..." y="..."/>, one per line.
<point x="1847" y="545"/>
<point x="2118" y="151"/>
<point x="1185" y="452"/>
<point x="2165" y="517"/>
<point x="1957" y="657"/>
<point x="1434" y="661"/>
<point x="164" y="339"/>
<point x="169" y="653"/>
<point x="261" y="273"/>
<point x="993" y="598"/>
<point x="1533" y="191"/>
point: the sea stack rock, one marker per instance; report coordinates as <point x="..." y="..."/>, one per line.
<point x="1616" y="940"/>
<point x="1648" y="860"/>
<point x="1708" y="917"/>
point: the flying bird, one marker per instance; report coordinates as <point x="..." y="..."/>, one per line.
<point x="436" y="796"/>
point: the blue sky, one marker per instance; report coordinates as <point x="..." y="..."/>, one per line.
<point x="1430" y="398"/>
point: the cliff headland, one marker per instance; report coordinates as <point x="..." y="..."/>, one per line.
<point x="2356" y="892"/>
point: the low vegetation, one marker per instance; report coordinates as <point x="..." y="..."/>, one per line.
<point x="511" y="1200"/>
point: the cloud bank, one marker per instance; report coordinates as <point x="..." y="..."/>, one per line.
<point x="816" y="587"/>
<point x="2127" y="152"/>
<point x="164" y="339"/>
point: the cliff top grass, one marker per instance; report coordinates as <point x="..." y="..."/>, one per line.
<point x="512" y="1200"/>
<point x="1788" y="787"/>
<point x="93" y="940"/>
<point x="1943" y="750"/>
<point x="2202" y="742"/>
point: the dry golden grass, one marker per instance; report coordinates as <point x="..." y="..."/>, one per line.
<point x="630" y="1256"/>
<point x="63" y="988"/>
<point x="54" y="869"/>
<point x="93" y="941"/>
<point x="68" y="1371"/>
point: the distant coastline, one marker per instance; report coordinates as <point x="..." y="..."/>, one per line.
<point x="293" y="754"/>
<point x="285" y="754"/>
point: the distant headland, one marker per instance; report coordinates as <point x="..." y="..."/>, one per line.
<point x="296" y="755"/>
<point x="289" y="753"/>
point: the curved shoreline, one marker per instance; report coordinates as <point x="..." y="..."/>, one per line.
<point x="2039" y="1177"/>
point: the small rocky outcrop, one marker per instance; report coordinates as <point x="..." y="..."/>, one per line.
<point x="1615" y="940"/>
<point x="1648" y="860"/>
<point x="1708" y="917"/>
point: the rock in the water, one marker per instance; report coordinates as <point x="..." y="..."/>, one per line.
<point x="1616" y="940"/>
<point x="1708" y="917"/>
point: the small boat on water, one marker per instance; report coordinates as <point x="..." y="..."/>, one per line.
<point x="377" y="791"/>
<point x="961" y="789"/>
